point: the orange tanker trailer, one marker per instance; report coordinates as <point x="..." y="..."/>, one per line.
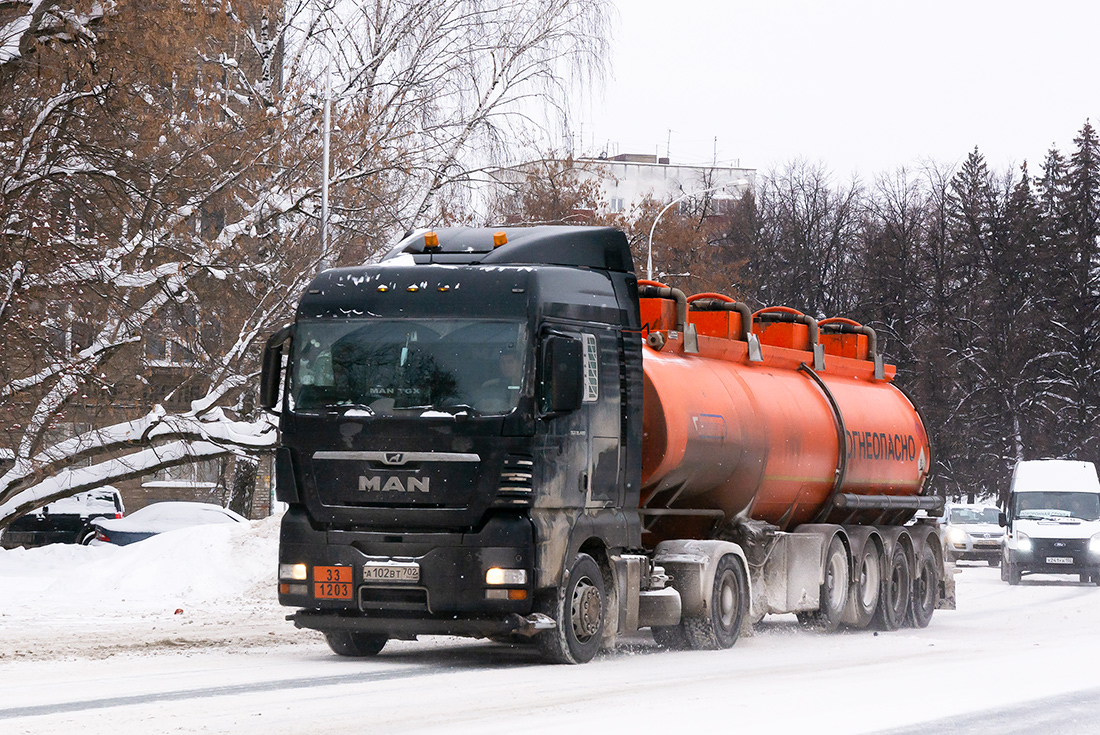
<point x="787" y="436"/>
<point x="503" y="433"/>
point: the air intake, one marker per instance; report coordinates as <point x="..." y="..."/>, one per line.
<point x="516" y="490"/>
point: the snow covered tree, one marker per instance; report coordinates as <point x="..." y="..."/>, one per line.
<point x="160" y="191"/>
<point x="803" y="255"/>
<point x="1075" y="294"/>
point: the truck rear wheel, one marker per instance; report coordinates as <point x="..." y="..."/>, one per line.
<point x="721" y="625"/>
<point x="352" y="643"/>
<point x="834" y="590"/>
<point x="1010" y="570"/>
<point x="579" y="612"/>
<point x="866" y="590"/>
<point x="894" y="605"/>
<point x="926" y="588"/>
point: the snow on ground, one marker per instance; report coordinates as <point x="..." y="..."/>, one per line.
<point x="91" y="641"/>
<point x="203" y="586"/>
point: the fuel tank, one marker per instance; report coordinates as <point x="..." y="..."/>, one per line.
<point x="769" y="416"/>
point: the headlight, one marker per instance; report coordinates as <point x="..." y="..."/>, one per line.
<point x="496" y="575"/>
<point x="1023" y="543"/>
<point x="292" y="571"/>
<point x="956" y="536"/>
<point x="1094" y="544"/>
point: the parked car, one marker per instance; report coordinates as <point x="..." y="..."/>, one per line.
<point x="971" y="533"/>
<point x="161" y="517"/>
<point x="65" y="521"/>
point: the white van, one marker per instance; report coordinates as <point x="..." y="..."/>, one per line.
<point x="1053" y="520"/>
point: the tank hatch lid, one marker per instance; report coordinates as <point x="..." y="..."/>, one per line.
<point x="604" y="248"/>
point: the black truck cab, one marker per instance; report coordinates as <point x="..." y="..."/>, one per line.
<point x="460" y="423"/>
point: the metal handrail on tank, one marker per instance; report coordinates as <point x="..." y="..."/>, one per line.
<point x="655" y="290"/>
<point x="710" y="301"/>
<point x="787" y="314"/>
<point x="841" y="325"/>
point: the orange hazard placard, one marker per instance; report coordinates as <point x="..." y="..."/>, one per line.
<point x="332" y="583"/>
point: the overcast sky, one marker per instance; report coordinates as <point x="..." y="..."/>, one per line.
<point x="864" y="86"/>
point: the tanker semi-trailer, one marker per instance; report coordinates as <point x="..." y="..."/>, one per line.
<point x="505" y="434"/>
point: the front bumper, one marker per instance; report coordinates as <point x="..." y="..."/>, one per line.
<point x="974" y="552"/>
<point x="450" y="597"/>
<point x="1041" y="560"/>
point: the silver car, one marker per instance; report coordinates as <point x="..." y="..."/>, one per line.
<point x="971" y="532"/>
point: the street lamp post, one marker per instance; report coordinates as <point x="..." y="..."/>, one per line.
<point x="677" y="200"/>
<point x="326" y="256"/>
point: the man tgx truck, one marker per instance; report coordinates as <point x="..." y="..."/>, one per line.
<point x="506" y="434"/>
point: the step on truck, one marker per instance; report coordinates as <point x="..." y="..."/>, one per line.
<point x="506" y="434"/>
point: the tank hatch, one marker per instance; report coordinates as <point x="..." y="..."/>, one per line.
<point x="604" y="248"/>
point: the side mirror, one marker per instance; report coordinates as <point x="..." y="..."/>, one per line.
<point x="1002" y="519"/>
<point x="561" y="385"/>
<point x="271" y="371"/>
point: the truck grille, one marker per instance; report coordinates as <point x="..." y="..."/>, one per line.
<point x="393" y="598"/>
<point x="516" y="489"/>
<point x="1075" y="547"/>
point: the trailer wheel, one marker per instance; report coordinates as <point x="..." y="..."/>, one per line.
<point x="834" y="590"/>
<point x="926" y="588"/>
<point x="894" y="605"/>
<point x="719" y="627"/>
<point x="352" y="643"/>
<point x="578" y="610"/>
<point x="866" y="591"/>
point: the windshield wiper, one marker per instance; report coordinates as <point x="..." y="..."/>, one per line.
<point x="458" y="408"/>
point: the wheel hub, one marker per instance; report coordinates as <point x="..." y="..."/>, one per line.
<point x="587" y="610"/>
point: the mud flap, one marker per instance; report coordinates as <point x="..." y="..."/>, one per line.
<point x="791" y="579"/>
<point x="947" y="588"/>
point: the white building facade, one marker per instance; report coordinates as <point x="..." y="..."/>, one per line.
<point x="627" y="179"/>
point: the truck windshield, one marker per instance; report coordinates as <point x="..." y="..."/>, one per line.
<point x="389" y="366"/>
<point x="1051" y="504"/>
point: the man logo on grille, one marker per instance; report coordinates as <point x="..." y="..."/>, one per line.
<point x="394" y="458"/>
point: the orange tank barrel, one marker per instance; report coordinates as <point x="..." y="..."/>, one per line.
<point x="773" y="439"/>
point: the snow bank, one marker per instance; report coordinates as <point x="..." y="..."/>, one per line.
<point x="211" y="585"/>
<point x="203" y="565"/>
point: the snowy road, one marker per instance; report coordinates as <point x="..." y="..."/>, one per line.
<point x="1010" y="659"/>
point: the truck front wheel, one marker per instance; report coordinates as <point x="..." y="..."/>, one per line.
<point x="1010" y="570"/>
<point x="352" y="643"/>
<point x="721" y="625"/>
<point x="578" y="609"/>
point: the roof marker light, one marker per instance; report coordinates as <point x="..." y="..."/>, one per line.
<point x="431" y="240"/>
<point x="383" y="288"/>
<point x="500" y="238"/>
<point x="412" y="288"/>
